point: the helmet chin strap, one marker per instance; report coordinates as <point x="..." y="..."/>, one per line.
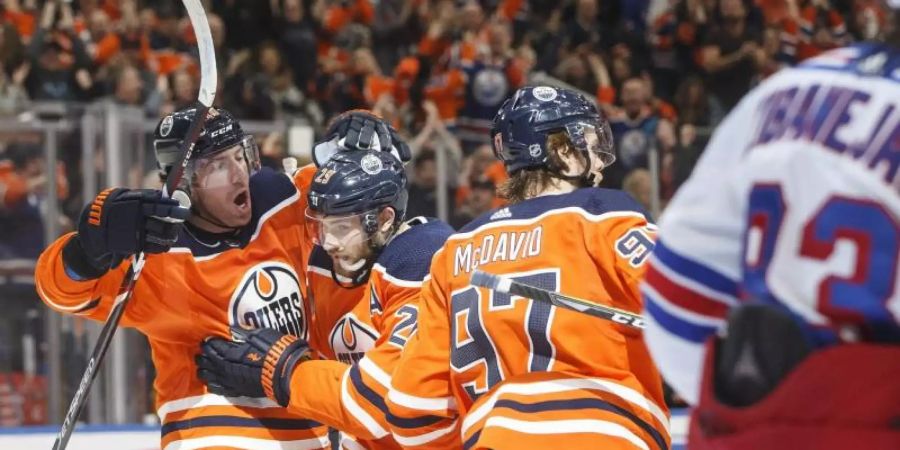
<point x="355" y="266"/>
<point x="592" y="179"/>
<point x="359" y="270"/>
<point x="359" y="277"/>
<point x="584" y="179"/>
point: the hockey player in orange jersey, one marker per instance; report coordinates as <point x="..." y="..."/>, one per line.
<point x="357" y="204"/>
<point x="238" y="261"/>
<point x="486" y="370"/>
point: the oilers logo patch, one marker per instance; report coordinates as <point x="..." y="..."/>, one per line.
<point x="544" y="93"/>
<point x="269" y="296"/>
<point x="371" y="165"/>
<point x="490" y="86"/>
<point x="633" y="145"/>
<point x="351" y="338"/>
<point x="166" y="126"/>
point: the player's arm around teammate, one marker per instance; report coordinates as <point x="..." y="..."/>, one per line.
<point x="194" y="282"/>
<point x="80" y="272"/>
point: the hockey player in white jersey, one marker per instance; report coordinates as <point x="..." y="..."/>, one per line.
<point x="772" y="299"/>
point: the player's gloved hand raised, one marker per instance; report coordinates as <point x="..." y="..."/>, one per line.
<point x="121" y="222"/>
<point x="359" y="130"/>
<point x="259" y="365"/>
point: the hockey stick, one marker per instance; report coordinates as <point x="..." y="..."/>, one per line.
<point x="208" y="80"/>
<point x="509" y="286"/>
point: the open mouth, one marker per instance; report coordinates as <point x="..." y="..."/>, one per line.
<point x="242" y="200"/>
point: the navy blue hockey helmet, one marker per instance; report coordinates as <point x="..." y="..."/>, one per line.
<point x="221" y="131"/>
<point x="359" y="129"/>
<point x="521" y="127"/>
<point x="359" y="182"/>
<point x="346" y="197"/>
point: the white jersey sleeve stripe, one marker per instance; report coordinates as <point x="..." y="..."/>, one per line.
<point x="421" y="403"/>
<point x="358" y="412"/>
<point x="567" y="426"/>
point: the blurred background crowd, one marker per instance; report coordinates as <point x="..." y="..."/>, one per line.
<point x="664" y="71"/>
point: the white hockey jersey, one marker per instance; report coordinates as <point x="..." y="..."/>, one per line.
<point x="794" y="202"/>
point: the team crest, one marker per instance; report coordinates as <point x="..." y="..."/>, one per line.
<point x="544" y="93"/>
<point x="351" y="338"/>
<point x="371" y="164"/>
<point x="269" y="296"/>
<point x="490" y="86"/>
<point x="166" y="126"/>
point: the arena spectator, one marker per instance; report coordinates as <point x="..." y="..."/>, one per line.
<point x="479" y="201"/>
<point x="732" y="54"/>
<point x="492" y="75"/>
<point x="57" y="61"/>
<point x="638" y="184"/>
<point x="694" y="104"/>
<point x="13" y="97"/>
<point x="297" y="39"/>
<point x="423" y="187"/>
<point x="129" y="89"/>
<point x="637" y="128"/>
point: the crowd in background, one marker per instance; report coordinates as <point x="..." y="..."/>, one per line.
<point x="665" y="72"/>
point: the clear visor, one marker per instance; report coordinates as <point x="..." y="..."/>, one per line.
<point x="594" y="137"/>
<point x="337" y="232"/>
<point x="229" y="167"/>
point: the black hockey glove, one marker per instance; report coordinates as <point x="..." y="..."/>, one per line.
<point x="259" y="366"/>
<point x="120" y="223"/>
<point x="355" y="130"/>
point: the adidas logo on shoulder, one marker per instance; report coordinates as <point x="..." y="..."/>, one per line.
<point x="502" y="213"/>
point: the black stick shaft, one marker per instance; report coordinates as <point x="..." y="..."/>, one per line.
<point x="514" y="287"/>
<point x="204" y="102"/>
<point x="97" y="355"/>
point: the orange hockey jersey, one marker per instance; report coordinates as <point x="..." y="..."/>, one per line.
<point x="333" y="334"/>
<point x="370" y="334"/>
<point x="200" y="288"/>
<point x="486" y="370"/>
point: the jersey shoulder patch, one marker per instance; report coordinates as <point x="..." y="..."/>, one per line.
<point x="408" y="256"/>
